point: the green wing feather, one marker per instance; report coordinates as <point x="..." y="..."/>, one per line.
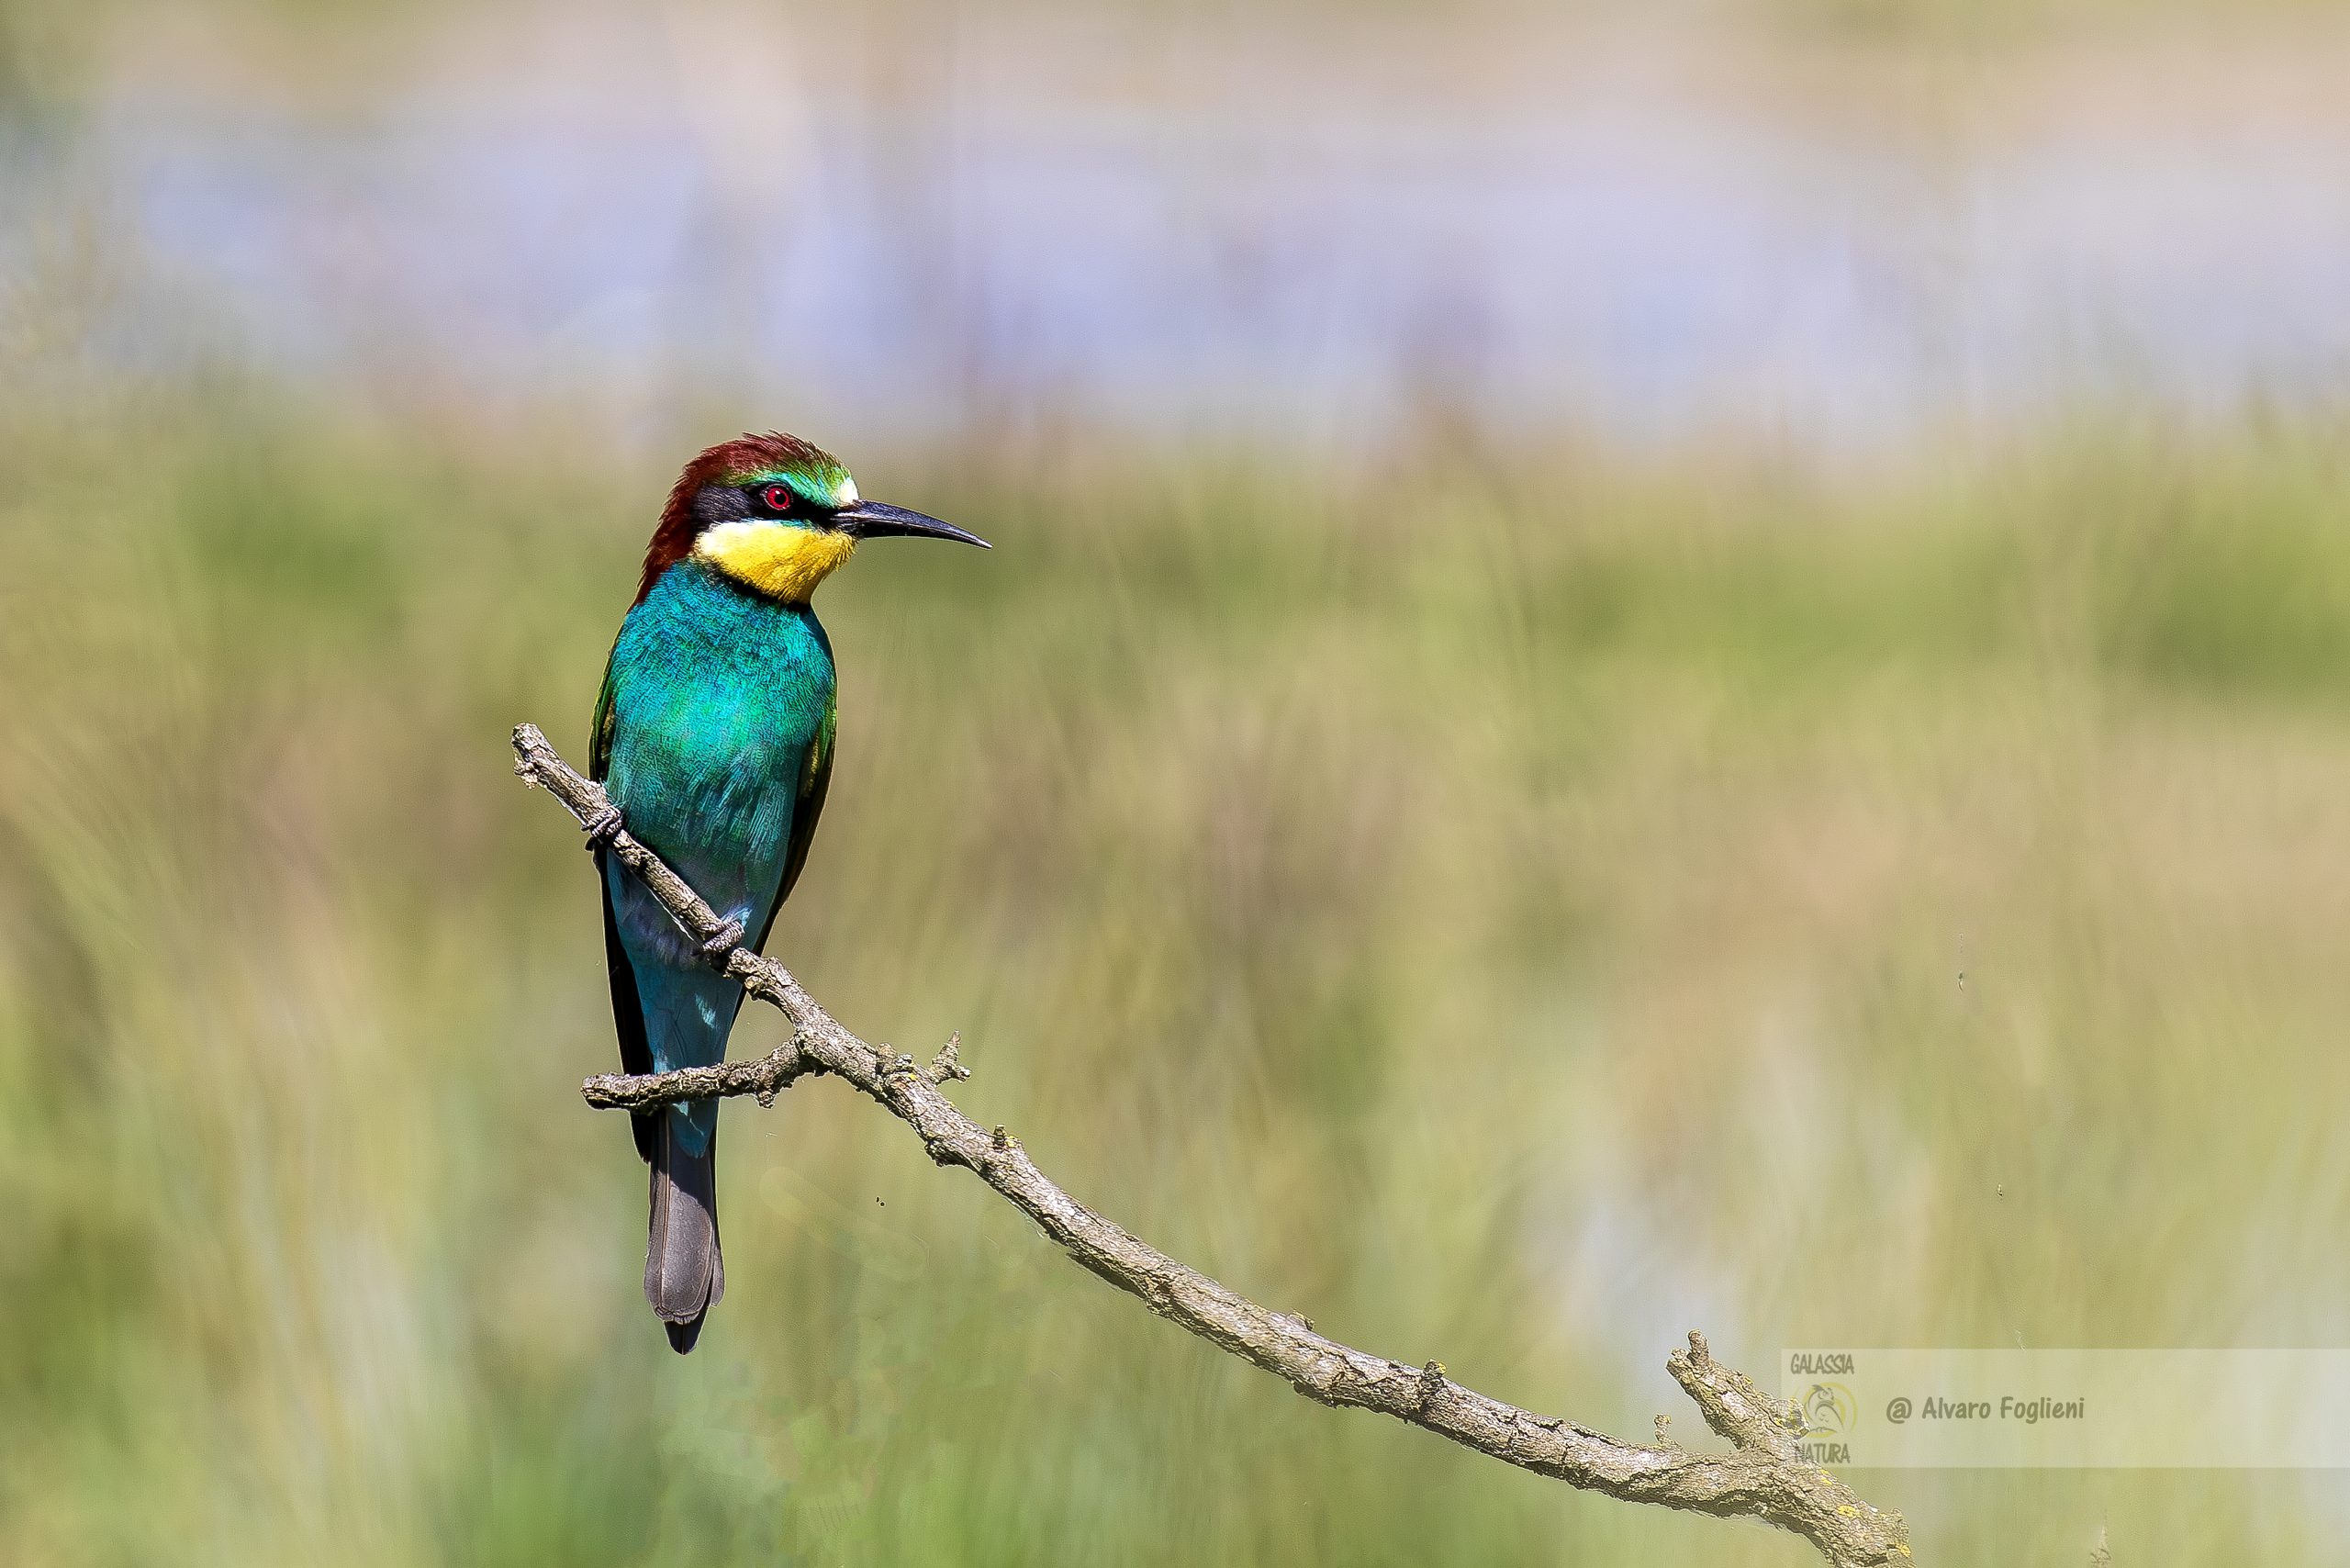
<point x="600" y="739"/>
<point x="815" y="778"/>
<point x="628" y="1008"/>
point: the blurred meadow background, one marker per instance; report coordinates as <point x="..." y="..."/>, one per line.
<point x="1648" y="666"/>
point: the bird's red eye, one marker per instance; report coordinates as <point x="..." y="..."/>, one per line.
<point x="776" y="497"/>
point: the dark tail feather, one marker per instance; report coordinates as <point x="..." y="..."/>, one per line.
<point x="683" y="1274"/>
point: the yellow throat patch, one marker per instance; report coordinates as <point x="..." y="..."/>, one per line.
<point x="777" y="559"/>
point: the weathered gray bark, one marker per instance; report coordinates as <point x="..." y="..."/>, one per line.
<point x="1764" y="1476"/>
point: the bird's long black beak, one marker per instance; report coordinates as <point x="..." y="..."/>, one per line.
<point x="873" y="520"/>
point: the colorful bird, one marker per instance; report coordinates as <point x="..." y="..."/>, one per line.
<point x="713" y="737"/>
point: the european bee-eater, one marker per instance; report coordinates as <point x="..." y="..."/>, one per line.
<point x="713" y="737"/>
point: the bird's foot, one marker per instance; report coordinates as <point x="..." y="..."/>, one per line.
<point x="603" y="828"/>
<point x="729" y="937"/>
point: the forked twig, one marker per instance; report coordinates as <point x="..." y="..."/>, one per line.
<point x="1764" y="1478"/>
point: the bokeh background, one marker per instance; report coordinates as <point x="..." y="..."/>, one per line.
<point x="1648" y="667"/>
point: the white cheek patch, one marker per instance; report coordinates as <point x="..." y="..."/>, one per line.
<point x="722" y="540"/>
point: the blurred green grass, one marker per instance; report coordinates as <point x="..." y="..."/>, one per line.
<point x="1510" y="906"/>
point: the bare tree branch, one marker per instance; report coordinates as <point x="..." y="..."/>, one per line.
<point x="1765" y="1477"/>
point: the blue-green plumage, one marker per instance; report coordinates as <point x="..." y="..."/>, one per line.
<point x="722" y="712"/>
<point x="714" y="738"/>
<point x="721" y="705"/>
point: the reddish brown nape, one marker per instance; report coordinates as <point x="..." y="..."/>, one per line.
<point x="736" y="460"/>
